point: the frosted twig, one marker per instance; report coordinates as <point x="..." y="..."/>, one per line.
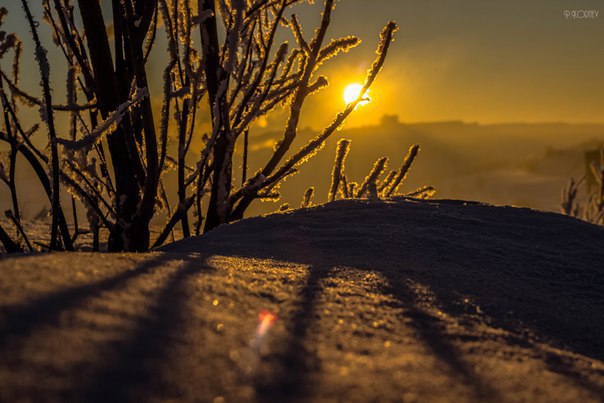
<point x="402" y="173"/>
<point x="307" y="199"/>
<point x="375" y="172"/>
<point x="342" y="150"/>
<point x="106" y="126"/>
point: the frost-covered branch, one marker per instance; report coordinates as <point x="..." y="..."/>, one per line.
<point x="245" y="194"/>
<point x="375" y="172"/>
<point x="402" y="173"/>
<point x="47" y="116"/>
<point x="30" y="100"/>
<point x="108" y="125"/>
<point x="342" y="150"/>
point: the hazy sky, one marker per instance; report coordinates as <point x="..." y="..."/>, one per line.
<point x="477" y="60"/>
<point x="473" y="60"/>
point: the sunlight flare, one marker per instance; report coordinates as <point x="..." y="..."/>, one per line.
<point x="266" y="320"/>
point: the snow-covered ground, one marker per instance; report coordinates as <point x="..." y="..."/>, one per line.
<point x="350" y="301"/>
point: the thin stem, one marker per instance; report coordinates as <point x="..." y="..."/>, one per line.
<point x="17" y="224"/>
<point x="245" y="151"/>
<point x="44" y="67"/>
<point x="10" y="246"/>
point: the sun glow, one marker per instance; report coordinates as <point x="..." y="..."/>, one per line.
<point x="352" y="92"/>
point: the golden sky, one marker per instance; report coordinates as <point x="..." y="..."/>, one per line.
<point x="474" y="60"/>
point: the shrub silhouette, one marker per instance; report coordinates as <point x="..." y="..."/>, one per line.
<point x="114" y="156"/>
<point x="369" y="187"/>
<point x="337" y="173"/>
<point x="592" y="208"/>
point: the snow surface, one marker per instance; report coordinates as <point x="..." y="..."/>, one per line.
<point x="401" y="300"/>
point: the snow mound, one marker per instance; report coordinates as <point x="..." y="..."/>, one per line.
<point x="541" y="269"/>
<point x="398" y="300"/>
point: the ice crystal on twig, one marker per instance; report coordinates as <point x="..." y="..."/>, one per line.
<point x="375" y="172"/>
<point x="402" y="173"/>
<point x="108" y="125"/>
<point x="307" y="199"/>
<point x="342" y="150"/>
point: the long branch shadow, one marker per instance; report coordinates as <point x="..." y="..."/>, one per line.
<point x="558" y="365"/>
<point x="529" y="272"/>
<point x="449" y="303"/>
<point x="135" y="371"/>
<point x="430" y="329"/>
<point x="289" y="381"/>
<point x="19" y="321"/>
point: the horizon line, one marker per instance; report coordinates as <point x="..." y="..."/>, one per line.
<point x="452" y="121"/>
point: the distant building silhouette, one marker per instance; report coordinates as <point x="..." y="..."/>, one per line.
<point x="389" y="120"/>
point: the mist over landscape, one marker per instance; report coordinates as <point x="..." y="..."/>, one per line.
<point x="519" y="164"/>
<point x="301" y="201"/>
<point x="513" y="164"/>
<point x="505" y="101"/>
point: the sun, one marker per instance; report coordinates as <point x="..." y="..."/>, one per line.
<point x="352" y="92"/>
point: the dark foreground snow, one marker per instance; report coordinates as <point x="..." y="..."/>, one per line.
<point x="388" y="301"/>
